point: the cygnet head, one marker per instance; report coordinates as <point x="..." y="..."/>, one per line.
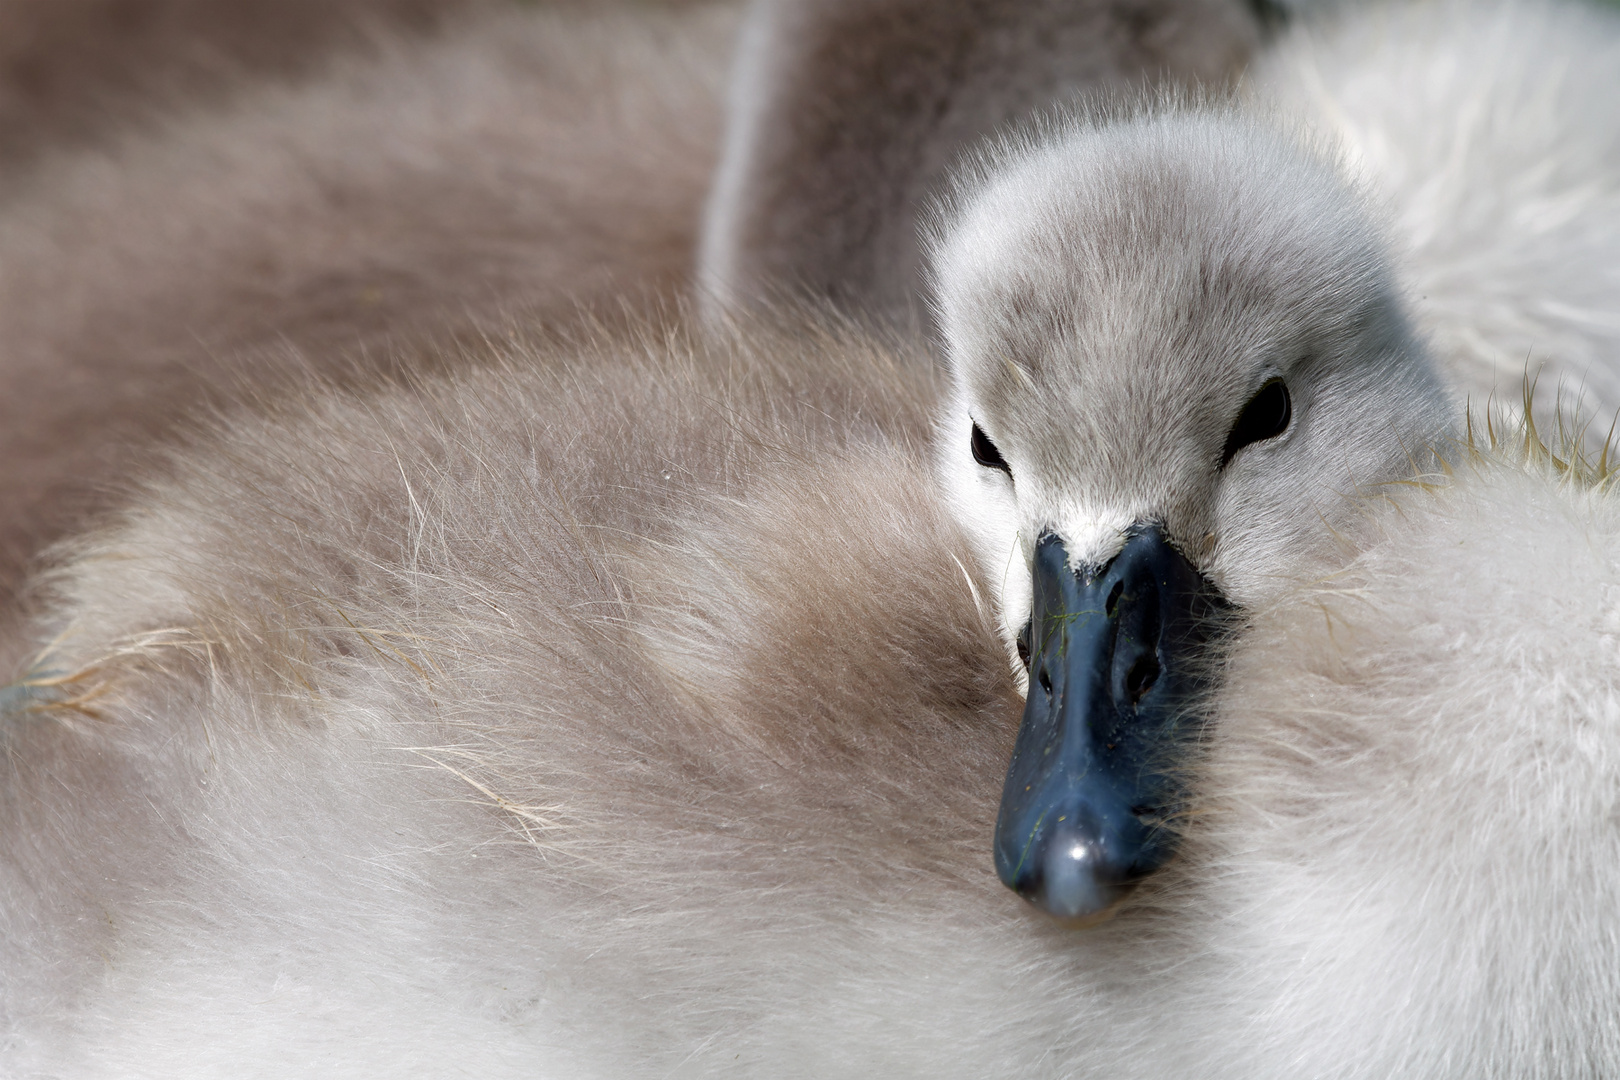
<point x="1176" y="347"/>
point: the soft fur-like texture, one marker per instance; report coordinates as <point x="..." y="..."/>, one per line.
<point x="1112" y="294"/>
<point x="70" y="70"/>
<point x="640" y="707"/>
<point x="844" y="116"/>
<point x="631" y="712"/>
<point x="347" y="630"/>
<point x="254" y="180"/>
<point x="1489" y="131"/>
<point x="1415" y="790"/>
<point x="529" y="160"/>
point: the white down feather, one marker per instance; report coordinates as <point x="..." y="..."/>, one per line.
<point x="1489" y="130"/>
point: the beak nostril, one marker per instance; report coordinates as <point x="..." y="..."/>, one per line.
<point x="1141" y="677"/>
<point x="1112" y="606"/>
<point x="1046" y="681"/>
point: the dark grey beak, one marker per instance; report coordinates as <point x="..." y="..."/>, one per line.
<point x="1120" y="668"/>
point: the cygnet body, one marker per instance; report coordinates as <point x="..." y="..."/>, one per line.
<point x="645" y="706"/>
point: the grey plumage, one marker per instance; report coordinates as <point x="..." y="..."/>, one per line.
<point x="539" y="160"/>
<point x="401" y="195"/>
<point x="593" y="528"/>
<point x="640" y="705"/>
<point x="843" y="117"/>
<point x="1502" y="191"/>
<point x="74" y="71"/>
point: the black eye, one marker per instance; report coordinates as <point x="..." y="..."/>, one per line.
<point x="985" y="452"/>
<point x="1265" y="417"/>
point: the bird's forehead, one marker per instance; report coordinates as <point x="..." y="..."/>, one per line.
<point x="1129" y="316"/>
<point x="1145" y="264"/>
<point x="1144" y="374"/>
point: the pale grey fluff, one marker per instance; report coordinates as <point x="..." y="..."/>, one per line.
<point x="1489" y="132"/>
<point x="1113" y="289"/>
<point x="633" y="709"/>
<point x="640" y="707"/>
<point x="73" y="72"/>
<point x="844" y="118"/>
<point x="536" y="158"/>
<point x="1484" y="139"/>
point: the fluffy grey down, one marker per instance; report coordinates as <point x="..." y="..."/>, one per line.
<point x="636" y="702"/>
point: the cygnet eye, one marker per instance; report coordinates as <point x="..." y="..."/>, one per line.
<point x="985" y="452"/>
<point x="1265" y="417"/>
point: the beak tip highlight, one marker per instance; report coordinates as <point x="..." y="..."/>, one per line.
<point x="1074" y="880"/>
